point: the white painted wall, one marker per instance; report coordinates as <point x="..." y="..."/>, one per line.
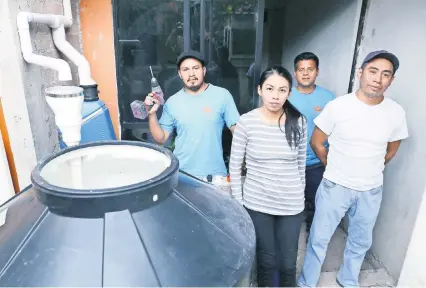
<point x="13" y="97"/>
<point x="398" y="26"/>
<point x="327" y="28"/>
<point x="413" y="272"/>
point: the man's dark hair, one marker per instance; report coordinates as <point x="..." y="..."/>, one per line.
<point x="306" y="56"/>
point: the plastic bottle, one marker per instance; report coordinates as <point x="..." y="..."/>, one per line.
<point x="139" y="109"/>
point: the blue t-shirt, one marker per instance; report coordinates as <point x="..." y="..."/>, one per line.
<point x="311" y="105"/>
<point x="199" y="121"/>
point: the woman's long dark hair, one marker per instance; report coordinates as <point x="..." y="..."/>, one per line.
<point x="293" y="133"/>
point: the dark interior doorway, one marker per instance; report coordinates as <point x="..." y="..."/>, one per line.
<point x="153" y="32"/>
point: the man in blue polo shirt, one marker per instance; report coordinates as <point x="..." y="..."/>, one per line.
<point x="198" y="112"/>
<point x="310" y="99"/>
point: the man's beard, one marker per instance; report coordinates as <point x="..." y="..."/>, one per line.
<point x="194" y="88"/>
<point x="372" y="95"/>
<point x="306" y="85"/>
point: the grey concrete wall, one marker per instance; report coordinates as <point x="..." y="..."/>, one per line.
<point x="327" y="28"/>
<point x="36" y="79"/>
<point x="399" y="27"/>
<point x="272" y="33"/>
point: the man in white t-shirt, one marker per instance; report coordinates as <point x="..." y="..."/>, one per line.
<point x="364" y="130"/>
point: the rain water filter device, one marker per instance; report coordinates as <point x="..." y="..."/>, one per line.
<point x="66" y="103"/>
<point x="96" y="120"/>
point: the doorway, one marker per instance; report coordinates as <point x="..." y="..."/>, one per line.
<point x="154" y="32"/>
<point x="327" y="28"/>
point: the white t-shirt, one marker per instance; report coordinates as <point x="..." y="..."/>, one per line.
<point x="358" y="138"/>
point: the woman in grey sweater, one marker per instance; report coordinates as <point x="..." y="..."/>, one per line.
<point x="272" y="139"/>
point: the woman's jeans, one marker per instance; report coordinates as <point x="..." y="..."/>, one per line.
<point x="277" y="240"/>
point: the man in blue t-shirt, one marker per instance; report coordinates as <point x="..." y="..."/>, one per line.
<point x="310" y="99"/>
<point x="198" y="112"/>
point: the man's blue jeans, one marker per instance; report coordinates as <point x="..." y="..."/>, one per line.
<point x="332" y="202"/>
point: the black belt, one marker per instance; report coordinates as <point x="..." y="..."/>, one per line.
<point x="313" y="166"/>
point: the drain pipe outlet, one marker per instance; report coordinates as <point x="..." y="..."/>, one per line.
<point x="23" y="20"/>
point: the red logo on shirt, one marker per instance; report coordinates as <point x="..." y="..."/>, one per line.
<point x="318" y="108"/>
<point x="208" y="110"/>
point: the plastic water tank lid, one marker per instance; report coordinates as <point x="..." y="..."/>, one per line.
<point x="133" y="195"/>
<point x="105" y="166"/>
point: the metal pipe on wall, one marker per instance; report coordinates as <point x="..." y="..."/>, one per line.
<point x="186" y="25"/>
<point x="203" y="28"/>
<point x="258" y="51"/>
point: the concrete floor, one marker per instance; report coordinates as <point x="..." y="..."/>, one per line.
<point x="334" y="257"/>
<point x="372" y="274"/>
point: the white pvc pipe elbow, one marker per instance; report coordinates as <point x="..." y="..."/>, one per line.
<point x="61" y="66"/>
<point x="70" y="52"/>
<point x="58" y="24"/>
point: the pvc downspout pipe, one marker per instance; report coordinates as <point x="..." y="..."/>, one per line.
<point x="67" y="12"/>
<point x="23" y="20"/>
<point x="71" y="53"/>
<point x="58" y="24"/>
<point x="59" y="38"/>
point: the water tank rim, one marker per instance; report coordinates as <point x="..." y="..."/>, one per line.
<point x="64" y="91"/>
<point x="45" y="187"/>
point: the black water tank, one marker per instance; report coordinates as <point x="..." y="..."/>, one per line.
<point x="121" y="214"/>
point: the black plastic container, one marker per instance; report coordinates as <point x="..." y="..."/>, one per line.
<point x="168" y="230"/>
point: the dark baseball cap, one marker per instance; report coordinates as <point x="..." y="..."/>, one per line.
<point x="382" y="54"/>
<point x="190" y="55"/>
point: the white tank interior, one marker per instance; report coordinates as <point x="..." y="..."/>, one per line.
<point x="101" y="167"/>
